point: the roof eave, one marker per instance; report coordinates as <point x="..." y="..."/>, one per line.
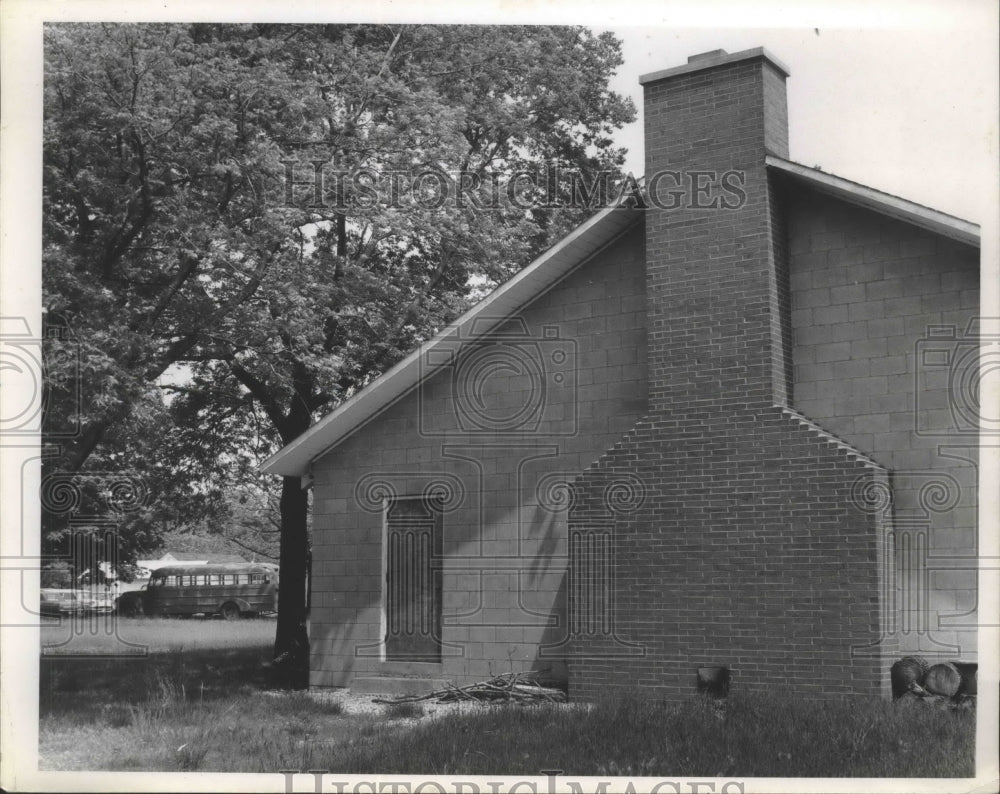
<point x="884" y="203"/>
<point x="570" y="252"/>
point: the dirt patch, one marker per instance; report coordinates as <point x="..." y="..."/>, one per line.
<point x="361" y="703"/>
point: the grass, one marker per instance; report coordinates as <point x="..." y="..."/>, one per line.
<point x="198" y="700"/>
<point x="175" y="729"/>
<point x="99" y="634"/>
<point x="405" y="711"/>
<point x="190" y="706"/>
<point x="759" y="736"/>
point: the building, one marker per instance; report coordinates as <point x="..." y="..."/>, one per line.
<point x="187" y="557"/>
<point x="736" y="428"/>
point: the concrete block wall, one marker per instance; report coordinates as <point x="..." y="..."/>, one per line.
<point x="723" y="473"/>
<point x="504" y="525"/>
<point x="870" y="295"/>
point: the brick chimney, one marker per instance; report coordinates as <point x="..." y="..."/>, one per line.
<point x="716" y="285"/>
<point x="721" y="530"/>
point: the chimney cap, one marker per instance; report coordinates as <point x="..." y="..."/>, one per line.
<point x="709" y="60"/>
<point x="701" y="56"/>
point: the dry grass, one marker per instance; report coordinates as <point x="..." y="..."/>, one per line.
<point x="209" y="709"/>
<point x="199" y="699"/>
<point x="757" y="736"/>
<point x="406" y="711"/>
<point x="175" y="729"/>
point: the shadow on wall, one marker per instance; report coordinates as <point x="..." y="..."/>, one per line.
<point x="550" y="658"/>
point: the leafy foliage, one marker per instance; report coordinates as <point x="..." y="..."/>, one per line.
<point x="168" y="240"/>
<point x="181" y="258"/>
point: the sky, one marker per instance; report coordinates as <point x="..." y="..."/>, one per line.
<point x="909" y="111"/>
<point x="901" y="96"/>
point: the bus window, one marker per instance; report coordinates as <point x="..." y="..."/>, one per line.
<point x="199" y="580"/>
<point x="214" y="579"/>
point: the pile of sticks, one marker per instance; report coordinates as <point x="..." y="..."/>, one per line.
<point x="507" y="688"/>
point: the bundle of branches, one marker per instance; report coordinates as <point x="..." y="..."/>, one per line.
<point x="507" y="688"/>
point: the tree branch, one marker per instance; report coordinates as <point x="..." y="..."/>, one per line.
<point x="188" y="267"/>
<point x="261" y="394"/>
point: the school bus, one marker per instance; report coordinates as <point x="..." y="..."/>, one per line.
<point x="233" y="590"/>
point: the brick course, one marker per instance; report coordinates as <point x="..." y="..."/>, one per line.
<point x="748" y="550"/>
<point x="771" y="570"/>
<point x="709" y="480"/>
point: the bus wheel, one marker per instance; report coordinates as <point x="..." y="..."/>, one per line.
<point x="230" y="611"/>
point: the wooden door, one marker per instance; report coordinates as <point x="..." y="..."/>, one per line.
<point x="413" y="581"/>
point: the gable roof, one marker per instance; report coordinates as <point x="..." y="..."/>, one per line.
<point x="882" y="203"/>
<point x="565" y="256"/>
<point x="569" y="253"/>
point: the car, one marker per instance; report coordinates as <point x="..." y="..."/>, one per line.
<point x="99" y="602"/>
<point x="49" y="607"/>
<point x="55" y="602"/>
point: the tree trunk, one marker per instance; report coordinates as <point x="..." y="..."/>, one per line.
<point x="291" y="641"/>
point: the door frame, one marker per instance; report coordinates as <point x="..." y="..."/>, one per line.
<point x="437" y="550"/>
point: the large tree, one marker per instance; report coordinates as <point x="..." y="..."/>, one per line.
<point x="155" y="230"/>
<point x="188" y="249"/>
